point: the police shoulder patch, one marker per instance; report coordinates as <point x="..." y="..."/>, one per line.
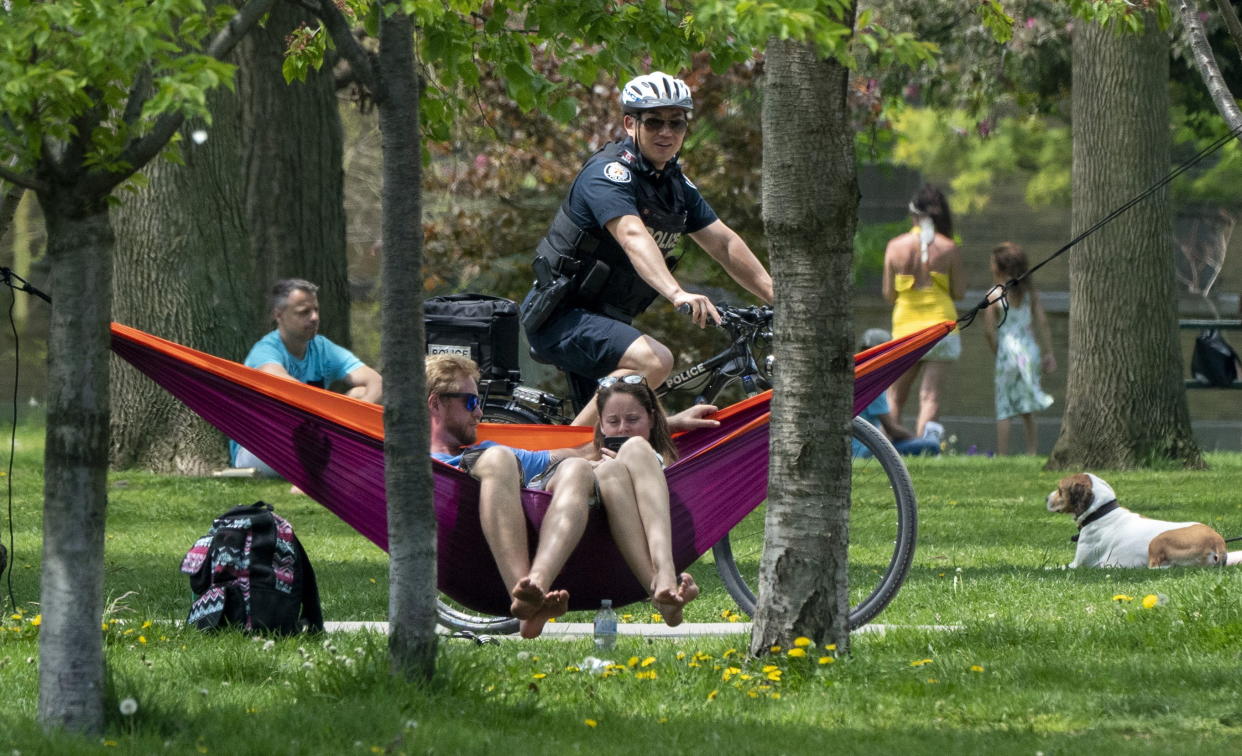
<point x="617" y="173"/>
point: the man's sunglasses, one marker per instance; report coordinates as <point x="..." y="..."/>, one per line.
<point x="472" y="400"/>
<point x="655" y="125"/>
<point x="632" y="379"/>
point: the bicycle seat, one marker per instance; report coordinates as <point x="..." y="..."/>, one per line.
<point x="539" y="357"/>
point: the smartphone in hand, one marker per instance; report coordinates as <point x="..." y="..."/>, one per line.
<point x="614" y="442"/>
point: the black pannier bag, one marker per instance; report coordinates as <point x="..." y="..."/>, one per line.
<point x="481" y="327"/>
<point x="1213" y="362"/>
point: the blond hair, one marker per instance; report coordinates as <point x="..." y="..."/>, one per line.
<point x="446" y="371"/>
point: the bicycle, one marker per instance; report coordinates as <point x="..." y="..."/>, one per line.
<point x="883" y="520"/>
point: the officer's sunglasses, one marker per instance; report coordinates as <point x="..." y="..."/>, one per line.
<point x="656" y="125"/>
<point x="472" y="400"/>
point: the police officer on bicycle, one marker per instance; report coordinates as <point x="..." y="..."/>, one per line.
<point x="609" y="251"/>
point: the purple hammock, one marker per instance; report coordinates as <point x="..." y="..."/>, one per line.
<point x="331" y="446"/>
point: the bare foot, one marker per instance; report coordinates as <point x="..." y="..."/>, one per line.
<point x="670" y="603"/>
<point x="527" y="599"/>
<point x="295" y="491"/>
<point x="555" y="603"/>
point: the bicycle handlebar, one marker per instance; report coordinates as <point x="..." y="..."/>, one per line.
<point x="754" y="315"/>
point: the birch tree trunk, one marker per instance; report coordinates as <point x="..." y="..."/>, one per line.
<point x="407" y="466"/>
<point x="810" y="198"/>
<point x="75" y="498"/>
<point x="1125" y="402"/>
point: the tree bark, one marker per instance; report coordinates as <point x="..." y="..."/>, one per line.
<point x="407" y="467"/>
<point x="260" y="199"/>
<point x="810" y="199"/>
<point x="1125" y="403"/>
<point x="75" y="499"/>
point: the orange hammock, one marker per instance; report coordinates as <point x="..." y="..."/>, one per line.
<point x="331" y="446"/>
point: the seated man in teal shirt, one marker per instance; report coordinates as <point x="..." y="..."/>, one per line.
<point x="296" y="350"/>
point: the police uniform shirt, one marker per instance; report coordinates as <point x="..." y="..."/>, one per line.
<point x="604" y="190"/>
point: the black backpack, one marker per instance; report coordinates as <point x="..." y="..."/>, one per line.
<point x="251" y="572"/>
<point x="1213" y="362"/>
<point x="481" y="327"/>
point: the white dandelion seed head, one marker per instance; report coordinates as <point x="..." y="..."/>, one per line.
<point x="199" y="136"/>
<point x="308" y="665"/>
<point x="523" y="655"/>
<point x="128" y="706"/>
<point x="269" y="645"/>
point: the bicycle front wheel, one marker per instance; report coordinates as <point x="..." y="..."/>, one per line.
<point x="883" y="524"/>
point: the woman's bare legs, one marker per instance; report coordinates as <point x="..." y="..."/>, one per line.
<point x="899" y="392"/>
<point x="1002" y="437"/>
<point x="1032" y="433"/>
<point x="929" y="393"/>
<point x="635" y="489"/>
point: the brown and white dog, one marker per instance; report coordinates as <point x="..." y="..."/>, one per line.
<point x="1109" y="535"/>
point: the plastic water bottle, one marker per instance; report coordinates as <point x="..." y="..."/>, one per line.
<point x="605" y="625"/>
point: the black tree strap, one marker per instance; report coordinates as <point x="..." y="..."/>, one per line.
<point x="1000" y="292"/>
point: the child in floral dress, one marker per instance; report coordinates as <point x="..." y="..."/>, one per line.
<point x="1017" y="344"/>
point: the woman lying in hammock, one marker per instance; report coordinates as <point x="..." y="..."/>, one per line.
<point x="633" y="438"/>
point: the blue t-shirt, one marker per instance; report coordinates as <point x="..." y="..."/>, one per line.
<point x="531" y="462"/>
<point x="878" y="406"/>
<point x="323" y="363"/>
<point x="604" y="190"/>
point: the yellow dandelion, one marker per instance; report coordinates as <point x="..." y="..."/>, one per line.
<point x="142" y="639"/>
<point x="627" y="618"/>
<point x="681" y="655"/>
<point x="371" y="579"/>
<point x="775" y="649"/>
<point x="590" y="723"/>
<point x="830" y="647"/>
<point x="797" y="653"/>
<point x="633" y="662"/>
<point x="724" y="613"/>
<point x="147" y="624"/>
<point x="920" y="662"/>
<point x="376" y="749"/>
<point x="802" y="642"/>
<point x="976" y="668"/>
<point x="572" y="668"/>
<point x="657" y="617"/>
<point x="774" y="694"/>
<point x="712" y="696"/>
<point x="932" y="680"/>
<point x="662" y="720"/>
<point x="826" y="660"/>
<point x="694" y="664"/>
<point x="38" y="620"/>
<point x="1122" y="597"/>
<point x="1150" y="601"/>
<point x="743" y="677"/>
<point x="728" y="653"/>
<point x="648" y="661"/>
<point x="104" y="626"/>
<point x="774" y="675"/>
<point x="752" y="694"/>
<point x="648" y="675"/>
<point x="109" y="744"/>
<point x="539" y="675"/>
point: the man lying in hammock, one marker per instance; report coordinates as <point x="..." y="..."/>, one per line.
<point x="455" y="410"/>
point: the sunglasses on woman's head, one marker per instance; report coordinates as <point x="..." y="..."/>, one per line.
<point x="472" y="400"/>
<point x="632" y="378"/>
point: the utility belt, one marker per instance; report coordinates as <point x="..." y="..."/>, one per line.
<point x="559" y="275"/>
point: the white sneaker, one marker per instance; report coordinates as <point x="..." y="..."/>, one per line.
<point x="933" y="431"/>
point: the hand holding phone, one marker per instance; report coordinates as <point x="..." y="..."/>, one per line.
<point x="614" y="442"/>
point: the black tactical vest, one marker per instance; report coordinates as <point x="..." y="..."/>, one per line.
<point x="606" y="281"/>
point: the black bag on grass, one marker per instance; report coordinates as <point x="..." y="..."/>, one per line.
<point x="251" y="572"/>
<point x="1213" y="362"/>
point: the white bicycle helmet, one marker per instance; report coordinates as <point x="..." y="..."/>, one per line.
<point x="655" y="90"/>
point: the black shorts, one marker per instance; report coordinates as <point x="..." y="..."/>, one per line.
<point x="584" y="343"/>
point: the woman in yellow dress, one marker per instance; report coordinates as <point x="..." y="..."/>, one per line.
<point x="922" y="277"/>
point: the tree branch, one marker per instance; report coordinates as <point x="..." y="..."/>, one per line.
<point x="141" y="151"/>
<point x="1231" y="22"/>
<point x="24" y="181"/>
<point x="1205" y="61"/>
<point x="361" y="63"/>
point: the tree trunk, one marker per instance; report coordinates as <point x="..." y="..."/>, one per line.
<point x="407" y="467"/>
<point x="75" y="500"/>
<point x="1125" y="403"/>
<point x="260" y="199"/>
<point x="810" y="199"/>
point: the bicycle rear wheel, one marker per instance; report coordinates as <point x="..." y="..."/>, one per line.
<point x="883" y="524"/>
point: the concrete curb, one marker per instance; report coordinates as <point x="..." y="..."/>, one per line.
<point x="575" y="630"/>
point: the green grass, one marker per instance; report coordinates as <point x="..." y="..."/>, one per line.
<point x="1045" y="659"/>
